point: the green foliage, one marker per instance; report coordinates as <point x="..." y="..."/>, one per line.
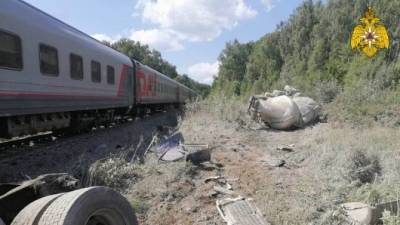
<point x="202" y="89"/>
<point x="365" y="103"/>
<point x="143" y="54"/>
<point x="389" y="219"/>
<point x="311" y="51"/>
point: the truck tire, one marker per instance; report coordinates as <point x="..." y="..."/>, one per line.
<point x="90" y="206"/>
<point x="31" y="214"/>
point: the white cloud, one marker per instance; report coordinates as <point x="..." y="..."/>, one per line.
<point x="204" y="72"/>
<point x="104" y="37"/>
<point x="157" y="39"/>
<point x="200" y="20"/>
<point x="269" y="4"/>
<point x="172" y="23"/>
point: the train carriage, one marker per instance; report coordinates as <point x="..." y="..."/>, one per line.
<point x="56" y="67"/>
<point x="54" y="76"/>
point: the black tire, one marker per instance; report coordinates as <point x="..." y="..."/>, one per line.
<point x="31" y="214"/>
<point x="90" y="206"/>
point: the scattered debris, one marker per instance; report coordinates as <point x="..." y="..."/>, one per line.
<point x="240" y="211"/>
<point x="216" y="178"/>
<point x="150" y="145"/>
<point x="358" y="213"/>
<point x="172" y="155"/>
<point x="363" y="214"/>
<point x="222" y="190"/>
<point x="195" y="147"/>
<point x="170" y="150"/>
<point x="171" y="142"/>
<point x="199" y="157"/>
<point x="288" y="148"/>
<point x="273" y="162"/>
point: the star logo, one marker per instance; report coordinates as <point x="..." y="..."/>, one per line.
<point x="370" y="36"/>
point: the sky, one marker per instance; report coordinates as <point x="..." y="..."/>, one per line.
<point x="189" y="33"/>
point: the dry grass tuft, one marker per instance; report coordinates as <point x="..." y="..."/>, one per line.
<point x="113" y="172"/>
<point x="362" y="168"/>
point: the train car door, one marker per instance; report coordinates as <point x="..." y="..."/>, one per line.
<point x="132" y="85"/>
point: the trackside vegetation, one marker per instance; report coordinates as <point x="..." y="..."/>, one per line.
<point x="311" y="51"/>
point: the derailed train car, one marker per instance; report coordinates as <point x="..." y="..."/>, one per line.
<point x="53" y="76"/>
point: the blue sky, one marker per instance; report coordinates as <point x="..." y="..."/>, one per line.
<point x="189" y="33"/>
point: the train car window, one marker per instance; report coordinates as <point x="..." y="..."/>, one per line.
<point x="48" y="57"/>
<point x="110" y="75"/>
<point x="96" y="72"/>
<point x="76" y="63"/>
<point x="10" y="51"/>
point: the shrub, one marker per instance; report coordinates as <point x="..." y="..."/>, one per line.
<point x="389" y="219"/>
<point x="365" y="103"/>
<point x="113" y="172"/>
<point x="362" y="168"/>
<point x="327" y="91"/>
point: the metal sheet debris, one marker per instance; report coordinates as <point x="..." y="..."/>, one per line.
<point x="170" y="143"/>
<point x="173" y="154"/>
<point x="223" y="190"/>
<point x="240" y="211"/>
<point x="170" y="150"/>
<point x="364" y="214"/>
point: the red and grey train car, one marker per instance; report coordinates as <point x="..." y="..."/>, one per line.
<point x="54" y="76"/>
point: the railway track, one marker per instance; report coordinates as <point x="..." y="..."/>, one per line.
<point x="11" y="147"/>
<point x="32" y="156"/>
<point x="7" y="145"/>
<point x="25" y="140"/>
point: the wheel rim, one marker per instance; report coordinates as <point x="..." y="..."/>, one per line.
<point x="105" y="217"/>
<point x="98" y="220"/>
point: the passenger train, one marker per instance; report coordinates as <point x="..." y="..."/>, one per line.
<point x="53" y="76"/>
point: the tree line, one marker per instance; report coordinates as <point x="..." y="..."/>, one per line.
<point x="310" y="50"/>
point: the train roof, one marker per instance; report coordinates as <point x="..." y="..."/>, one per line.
<point x="163" y="75"/>
<point x="49" y="25"/>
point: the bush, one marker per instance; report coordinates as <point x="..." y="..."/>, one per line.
<point x="361" y="168"/>
<point x="389" y="219"/>
<point x="327" y="91"/>
<point x="364" y="104"/>
<point x="113" y="172"/>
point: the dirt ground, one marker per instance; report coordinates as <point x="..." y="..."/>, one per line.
<point x="307" y="189"/>
<point x="177" y="194"/>
<point x="319" y="174"/>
